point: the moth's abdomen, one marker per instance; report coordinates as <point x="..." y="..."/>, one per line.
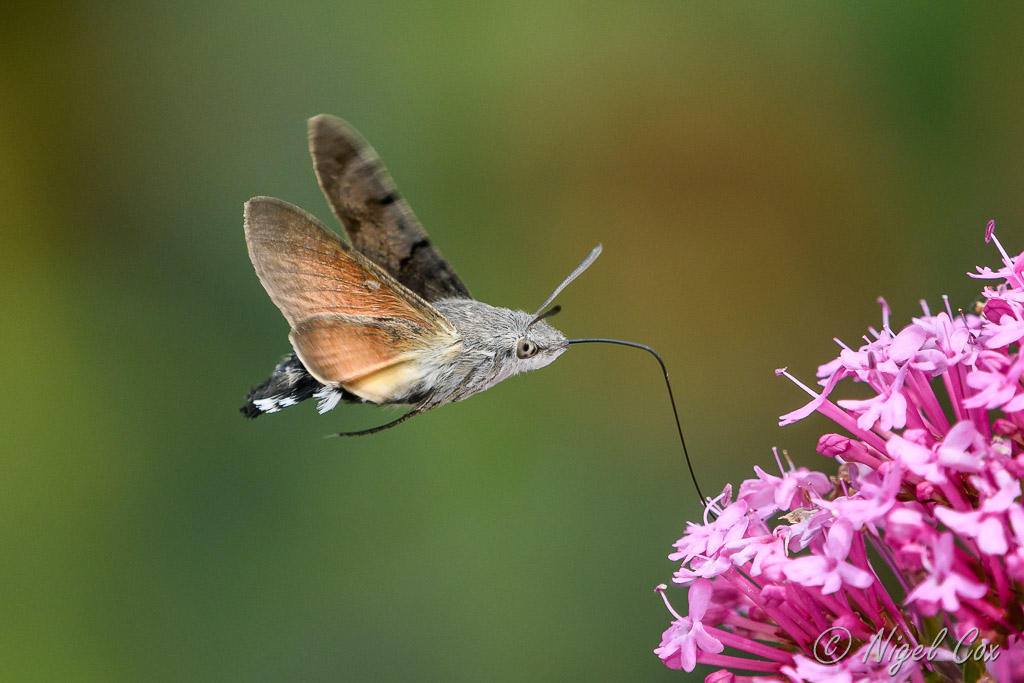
<point x="289" y="384"/>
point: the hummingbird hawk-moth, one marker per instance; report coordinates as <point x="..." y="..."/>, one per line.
<point x="383" y="318"/>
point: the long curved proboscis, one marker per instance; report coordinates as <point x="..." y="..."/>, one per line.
<point x="671" y="398"/>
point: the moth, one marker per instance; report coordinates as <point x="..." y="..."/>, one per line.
<point x="383" y="318"/>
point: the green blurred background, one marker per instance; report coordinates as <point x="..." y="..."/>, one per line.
<point x="758" y="175"/>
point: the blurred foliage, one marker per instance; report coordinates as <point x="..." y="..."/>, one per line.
<point x="758" y="175"/>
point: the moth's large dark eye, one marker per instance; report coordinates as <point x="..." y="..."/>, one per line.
<point x="526" y="348"/>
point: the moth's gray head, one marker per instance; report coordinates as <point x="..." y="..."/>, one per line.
<point x="514" y="341"/>
<point x="538" y="344"/>
<point x="498" y="343"/>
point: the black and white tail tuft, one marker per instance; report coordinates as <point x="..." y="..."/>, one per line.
<point x="289" y="384"/>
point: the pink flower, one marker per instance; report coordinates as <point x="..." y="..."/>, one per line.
<point x="943" y="586"/>
<point x="873" y="495"/>
<point x="709" y="538"/>
<point x="989" y="523"/>
<point x="1006" y="329"/>
<point x="927" y="497"/>
<point x="768" y="494"/>
<point x="679" y="643"/>
<point x="997" y="387"/>
<point x="829" y="570"/>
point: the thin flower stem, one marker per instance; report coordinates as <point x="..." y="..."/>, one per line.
<point x="916" y="419"/>
<point x="978" y="416"/>
<point x="859" y="556"/>
<point x="921" y="390"/>
<point x="810" y="609"/>
<point x="757" y="629"/>
<point x="737" y="662"/>
<point x="747" y="645"/>
<point x="841" y="418"/>
<point x="953" y="491"/>
<point x="995" y="570"/>
<point x="955" y="396"/>
<point x="744" y="585"/>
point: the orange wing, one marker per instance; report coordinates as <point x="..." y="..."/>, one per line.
<point x="349" y="318"/>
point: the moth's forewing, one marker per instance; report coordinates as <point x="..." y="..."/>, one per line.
<point x="349" y="318"/>
<point x="378" y="221"/>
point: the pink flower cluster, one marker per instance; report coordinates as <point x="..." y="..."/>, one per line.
<point x="908" y="565"/>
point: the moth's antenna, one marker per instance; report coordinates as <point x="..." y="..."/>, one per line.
<point x="664" y="371"/>
<point x="594" y="253"/>
<point x="554" y="310"/>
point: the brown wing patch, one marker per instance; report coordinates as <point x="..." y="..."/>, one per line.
<point x="307" y="270"/>
<point x="349" y="318"/>
<point x="378" y="221"/>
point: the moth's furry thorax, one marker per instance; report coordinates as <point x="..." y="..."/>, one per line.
<point x="490" y="336"/>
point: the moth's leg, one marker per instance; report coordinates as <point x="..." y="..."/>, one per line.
<point x="389" y="425"/>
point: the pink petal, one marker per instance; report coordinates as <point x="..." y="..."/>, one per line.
<point x="907" y="343"/>
<point x="833" y="582"/>
<point x="705" y="641"/>
<point x="699" y="597"/>
<point x="840" y="536"/>
<point x="806" y="570"/>
<point x="968" y="588"/>
<point x="991" y="539"/>
<point x="961" y="522"/>
<point x="688" y="654"/>
<point x="855" y="576"/>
